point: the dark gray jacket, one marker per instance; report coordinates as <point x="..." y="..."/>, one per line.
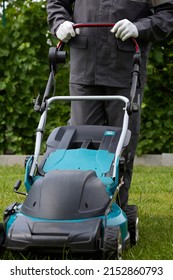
<point x="96" y="56"/>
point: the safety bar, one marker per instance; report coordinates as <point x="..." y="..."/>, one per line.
<point x="42" y="124"/>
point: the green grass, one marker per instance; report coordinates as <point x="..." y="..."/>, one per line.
<point x="151" y="190"/>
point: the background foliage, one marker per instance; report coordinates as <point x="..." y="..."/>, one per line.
<point x="157" y="114"/>
<point x="24" y="72"/>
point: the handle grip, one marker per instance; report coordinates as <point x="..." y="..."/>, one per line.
<point x="99" y="24"/>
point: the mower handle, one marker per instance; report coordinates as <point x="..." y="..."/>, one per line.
<point x="57" y="55"/>
<point x="99" y="24"/>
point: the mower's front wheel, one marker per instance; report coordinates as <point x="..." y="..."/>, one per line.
<point x="131" y="212"/>
<point x="112" y="243"/>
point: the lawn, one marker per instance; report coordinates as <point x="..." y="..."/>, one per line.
<point x="151" y="190"/>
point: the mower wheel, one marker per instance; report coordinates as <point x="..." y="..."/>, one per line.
<point x="112" y="243"/>
<point x="2" y="234"/>
<point x="131" y="212"/>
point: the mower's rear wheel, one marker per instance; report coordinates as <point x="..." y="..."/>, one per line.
<point x="131" y="212"/>
<point x="112" y="243"/>
<point x="2" y="234"/>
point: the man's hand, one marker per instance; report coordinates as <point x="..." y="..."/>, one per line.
<point x="125" y="29"/>
<point x="65" y="31"/>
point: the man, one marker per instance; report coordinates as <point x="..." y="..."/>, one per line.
<point x="101" y="64"/>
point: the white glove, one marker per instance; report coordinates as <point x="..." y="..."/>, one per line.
<point x="65" y="31"/>
<point x="125" y="29"/>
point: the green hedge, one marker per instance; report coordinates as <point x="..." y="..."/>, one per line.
<point x="24" y="71"/>
<point x="157" y="113"/>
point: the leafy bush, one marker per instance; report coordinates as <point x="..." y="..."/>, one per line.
<point x="24" y="71"/>
<point x="157" y="114"/>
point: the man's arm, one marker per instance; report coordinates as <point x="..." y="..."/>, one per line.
<point x="159" y="25"/>
<point x="58" y="11"/>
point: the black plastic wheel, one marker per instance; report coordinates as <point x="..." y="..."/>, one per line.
<point x="2" y="234"/>
<point x="112" y="243"/>
<point x="131" y="212"/>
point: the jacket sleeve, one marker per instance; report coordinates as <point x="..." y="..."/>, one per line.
<point x="58" y="11"/>
<point x="159" y="25"/>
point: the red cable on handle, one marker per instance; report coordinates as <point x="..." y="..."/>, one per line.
<point x="103" y="24"/>
<point x="99" y="24"/>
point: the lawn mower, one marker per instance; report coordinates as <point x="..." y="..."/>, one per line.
<point x="72" y="193"/>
